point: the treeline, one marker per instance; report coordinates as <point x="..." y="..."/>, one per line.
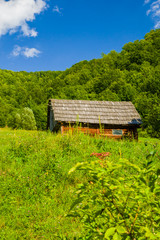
<point x="131" y="75"/>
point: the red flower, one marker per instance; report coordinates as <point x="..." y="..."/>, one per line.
<point x="100" y="155"/>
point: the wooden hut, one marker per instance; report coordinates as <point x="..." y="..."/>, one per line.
<point x="111" y="119"/>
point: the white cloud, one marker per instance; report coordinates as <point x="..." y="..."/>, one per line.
<point x="25" y="51"/>
<point x="57" y="9"/>
<point x="16" y="51"/>
<point x="15" y="15"/>
<point x="154" y="11"/>
<point x="31" y="52"/>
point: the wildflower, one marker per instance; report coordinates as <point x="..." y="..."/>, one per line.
<point x="100" y="155"/>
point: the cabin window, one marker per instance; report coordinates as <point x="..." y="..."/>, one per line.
<point x="117" y="132"/>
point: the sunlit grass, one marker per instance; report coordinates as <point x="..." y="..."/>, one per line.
<point x="36" y="191"/>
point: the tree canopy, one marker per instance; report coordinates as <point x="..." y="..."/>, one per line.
<point x="131" y="75"/>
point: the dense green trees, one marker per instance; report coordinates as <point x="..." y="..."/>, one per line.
<point x="131" y="75"/>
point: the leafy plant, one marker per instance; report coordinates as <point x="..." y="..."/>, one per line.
<point x="120" y="200"/>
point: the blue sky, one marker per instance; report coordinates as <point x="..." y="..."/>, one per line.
<point x="41" y="35"/>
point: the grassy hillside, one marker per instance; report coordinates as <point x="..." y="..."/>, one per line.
<point x="36" y="191"/>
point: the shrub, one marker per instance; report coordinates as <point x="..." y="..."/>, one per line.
<point x="120" y="200"/>
<point x="23" y="119"/>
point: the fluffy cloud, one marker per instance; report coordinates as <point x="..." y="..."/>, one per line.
<point x="154" y="11"/>
<point x="25" y="51"/>
<point x="15" y="15"/>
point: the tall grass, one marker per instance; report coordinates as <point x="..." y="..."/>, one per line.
<point x="36" y="191"/>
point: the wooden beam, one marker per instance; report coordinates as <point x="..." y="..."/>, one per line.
<point x="62" y="129"/>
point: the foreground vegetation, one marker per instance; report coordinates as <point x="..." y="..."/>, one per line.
<point x="131" y="75"/>
<point x="40" y="200"/>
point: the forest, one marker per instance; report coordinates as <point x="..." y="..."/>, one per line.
<point x="131" y="75"/>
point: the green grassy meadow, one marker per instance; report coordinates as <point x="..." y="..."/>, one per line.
<point x="36" y="191"/>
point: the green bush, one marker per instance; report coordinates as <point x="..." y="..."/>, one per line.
<point x="24" y="119"/>
<point x="120" y="201"/>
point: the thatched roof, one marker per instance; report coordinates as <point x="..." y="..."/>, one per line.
<point x="95" y="112"/>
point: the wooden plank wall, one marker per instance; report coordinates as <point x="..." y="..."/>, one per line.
<point x="93" y="131"/>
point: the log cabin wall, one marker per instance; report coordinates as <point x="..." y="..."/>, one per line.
<point x="117" y="132"/>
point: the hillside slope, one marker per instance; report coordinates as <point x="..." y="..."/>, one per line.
<point x="131" y="75"/>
